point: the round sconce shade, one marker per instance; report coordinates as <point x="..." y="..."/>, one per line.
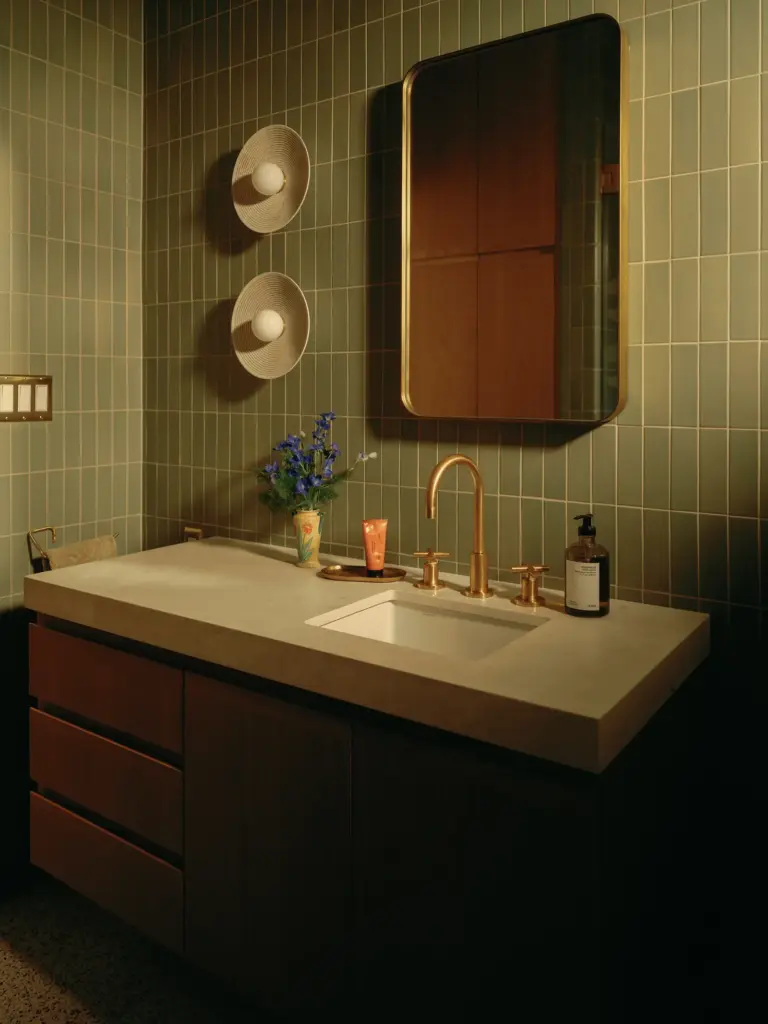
<point x="271" y="178"/>
<point x="270" y="325"/>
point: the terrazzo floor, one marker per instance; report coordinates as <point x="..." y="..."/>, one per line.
<point x="64" y="961"/>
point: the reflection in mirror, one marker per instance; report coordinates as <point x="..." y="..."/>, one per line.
<point x="514" y="254"/>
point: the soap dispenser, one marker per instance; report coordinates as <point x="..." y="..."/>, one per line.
<point x="587" y="574"/>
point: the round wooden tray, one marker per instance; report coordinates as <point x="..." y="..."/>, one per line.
<point x="359" y="574"/>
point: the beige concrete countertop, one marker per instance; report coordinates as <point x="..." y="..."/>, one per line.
<point x="574" y="690"/>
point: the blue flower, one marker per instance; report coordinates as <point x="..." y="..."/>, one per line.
<point x="328" y="416"/>
<point x="271" y="468"/>
<point x="315" y="480"/>
<point x="328" y="469"/>
<point x="315" y="448"/>
<point x="301" y="486"/>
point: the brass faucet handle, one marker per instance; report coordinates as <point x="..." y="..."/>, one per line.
<point x="431" y="580"/>
<point x="530" y="578"/>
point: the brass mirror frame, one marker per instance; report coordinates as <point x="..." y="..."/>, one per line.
<point x="405" y="310"/>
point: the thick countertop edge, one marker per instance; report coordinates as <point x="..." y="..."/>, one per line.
<point x="620" y="726"/>
<point x="504" y="722"/>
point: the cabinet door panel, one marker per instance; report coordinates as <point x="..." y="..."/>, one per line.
<point x="409" y="810"/>
<point x="267" y="844"/>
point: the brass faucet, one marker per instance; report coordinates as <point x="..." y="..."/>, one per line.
<point x="478" y="560"/>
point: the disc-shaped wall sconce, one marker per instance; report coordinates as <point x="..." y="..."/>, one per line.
<point x="270" y="325"/>
<point x="271" y="178"/>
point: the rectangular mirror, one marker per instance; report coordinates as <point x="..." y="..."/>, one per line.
<point x="514" y="228"/>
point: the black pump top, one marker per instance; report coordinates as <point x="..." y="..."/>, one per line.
<point x="586" y="529"/>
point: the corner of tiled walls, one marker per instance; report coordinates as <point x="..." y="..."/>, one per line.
<point x="679" y="483"/>
<point x="70" y="282"/>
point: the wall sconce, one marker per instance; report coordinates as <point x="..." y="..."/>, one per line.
<point x="271" y="178"/>
<point x="270" y="325"/>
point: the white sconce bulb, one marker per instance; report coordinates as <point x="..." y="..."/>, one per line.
<point x="268" y="325"/>
<point x="268" y="179"/>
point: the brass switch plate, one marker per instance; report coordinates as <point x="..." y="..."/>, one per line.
<point x="25" y="398"/>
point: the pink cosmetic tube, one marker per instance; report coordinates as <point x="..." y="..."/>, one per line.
<point x="375" y="541"/>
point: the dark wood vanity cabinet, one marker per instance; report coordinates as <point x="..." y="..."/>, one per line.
<point x="267" y="844"/>
<point x="319" y="857"/>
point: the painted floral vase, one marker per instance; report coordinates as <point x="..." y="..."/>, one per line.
<point x="308" y="527"/>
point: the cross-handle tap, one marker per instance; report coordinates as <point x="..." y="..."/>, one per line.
<point x="478" y="560"/>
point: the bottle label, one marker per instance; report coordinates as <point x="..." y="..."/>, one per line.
<point x="582" y="586"/>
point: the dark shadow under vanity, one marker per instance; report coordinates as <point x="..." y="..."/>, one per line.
<point x="319" y="857"/>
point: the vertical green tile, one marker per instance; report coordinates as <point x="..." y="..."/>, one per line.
<point x="714" y="299"/>
<point x="742" y="472"/>
<point x="745" y="297"/>
<point x="580" y="461"/>
<point x="744" y="384"/>
<point x="744" y="561"/>
<point x="657" y="219"/>
<point x="685" y="131"/>
<point x="714" y="41"/>
<point x="685" y="47"/>
<point x="685" y="411"/>
<point x="533" y="460"/>
<point x="745" y="199"/>
<point x="636" y="148"/>
<point x="684" y="554"/>
<point x="684" y="490"/>
<point x="554" y="538"/>
<point x="630" y="463"/>
<point x="604" y="464"/>
<point x="685" y="215"/>
<point x="554" y="470"/>
<point x="713" y="464"/>
<point x="656" y="551"/>
<point x="656" y="380"/>
<point x="633" y="31"/>
<point x="656" y="303"/>
<point x="531" y="519"/>
<point x="714" y="126"/>
<point x="713" y="385"/>
<point x="657" y="54"/>
<point x="713" y="557"/>
<point x="685" y="300"/>
<point x="745" y="37"/>
<point x="656" y="478"/>
<point x="629" y="548"/>
<point x="657" y="136"/>
<point x="714" y="213"/>
<point x="744" y="115"/>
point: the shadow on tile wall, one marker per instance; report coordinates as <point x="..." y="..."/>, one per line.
<point x="679" y="483"/>
<point x="71" y="108"/>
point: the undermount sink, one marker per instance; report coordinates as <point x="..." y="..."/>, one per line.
<point x="424" y="626"/>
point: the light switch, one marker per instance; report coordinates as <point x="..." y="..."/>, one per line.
<point x="24" y="398"/>
<point x="41" y="398"/>
<point x="6" y="397"/>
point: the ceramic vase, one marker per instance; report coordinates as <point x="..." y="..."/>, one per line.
<point x="308" y="527"/>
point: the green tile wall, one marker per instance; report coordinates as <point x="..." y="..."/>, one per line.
<point x="70" y="270"/>
<point x="676" y="483"/>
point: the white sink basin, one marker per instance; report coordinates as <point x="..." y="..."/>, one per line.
<point x="425" y="625"/>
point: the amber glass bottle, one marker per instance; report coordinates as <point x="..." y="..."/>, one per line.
<point x="587" y="574"/>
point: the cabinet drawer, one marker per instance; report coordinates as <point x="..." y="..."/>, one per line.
<point x="141" y="889"/>
<point x="122" y="691"/>
<point x="133" y="790"/>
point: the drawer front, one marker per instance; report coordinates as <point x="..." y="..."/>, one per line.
<point x="134" y="695"/>
<point x="133" y="790"/>
<point x="141" y="889"/>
